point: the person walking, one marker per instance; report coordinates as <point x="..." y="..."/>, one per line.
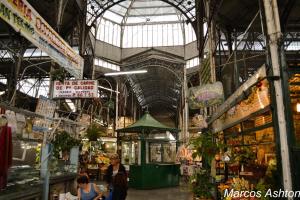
<point x="113" y="169"/>
<point x="120" y="186"/>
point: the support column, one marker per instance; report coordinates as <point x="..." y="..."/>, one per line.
<point x="51" y="84"/>
<point x="275" y="35"/>
<point x="45" y="174"/>
<point x="236" y="71"/>
<point x="186" y="108"/>
<point x="117" y="105"/>
<point x="211" y="42"/>
<point x="12" y="81"/>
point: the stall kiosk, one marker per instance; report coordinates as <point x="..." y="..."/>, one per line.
<point x="148" y="174"/>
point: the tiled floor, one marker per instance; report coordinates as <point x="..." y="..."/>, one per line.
<point x="176" y="193"/>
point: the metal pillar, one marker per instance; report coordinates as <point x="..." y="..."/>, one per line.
<point x="117" y="106"/>
<point x="274" y="34"/>
<point x="211" y="43"/>
<point x="45" y="175"/>
<point x="236" y="71"/>
<point x="186" y="109"/>
<point x="12" y="81"/>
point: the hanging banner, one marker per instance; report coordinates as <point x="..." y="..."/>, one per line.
<point x="206" y="95"/>
<point x="25" y="20"/>
<point x="75" y="89"/>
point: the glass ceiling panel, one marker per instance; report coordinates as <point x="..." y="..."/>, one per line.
<point x="140" y="3"/>
<point x="153" y="11"/>
<point x="119" y="9"/>
<point x="125" y="3"/>
<point x="97" y="7"/>
<point x="112" y="16"/>
<point x="163" y="18"/>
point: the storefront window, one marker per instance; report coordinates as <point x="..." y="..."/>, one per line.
<point x="155" y="152"/>
<point x="295" y="100"/>
<point x="162" y="152"/>
<point x="129" y="153"/>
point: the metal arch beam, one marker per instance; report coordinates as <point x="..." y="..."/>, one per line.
<point x="156" y="102"/>
<point x="155" y="97"/>
<point x="286" y="12"/>
<point x="161" y="66"/>
<point x="152" y="93"/>
<point x="110" y="4"/>
<point x="158" y="85"/>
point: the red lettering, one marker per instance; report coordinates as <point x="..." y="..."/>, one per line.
<point x="28" y="14"/>
<point x="15" y="2"/>
<point x="20" y="5"/>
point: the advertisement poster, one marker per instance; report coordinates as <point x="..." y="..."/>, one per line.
<point x="27" y="21"/>
<point x="45" y="107"/>
<point x="75" y="89"/>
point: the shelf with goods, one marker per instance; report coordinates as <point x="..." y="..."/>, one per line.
<point x="31" y="132"/>
<point x="247" y="130"/>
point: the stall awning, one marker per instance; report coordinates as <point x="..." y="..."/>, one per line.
<point x="147" y="124"/>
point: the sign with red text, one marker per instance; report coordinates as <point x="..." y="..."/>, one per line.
<point x="25" y="20"/>
<point x="75" y="89"/>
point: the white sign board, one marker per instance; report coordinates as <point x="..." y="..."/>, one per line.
<point x="75" y="89"/>
<point x="45" y="107"/>
<point x="27" y="21"/>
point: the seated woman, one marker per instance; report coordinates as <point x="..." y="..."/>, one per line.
<point x="88" y="191"/>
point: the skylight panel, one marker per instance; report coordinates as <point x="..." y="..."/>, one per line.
<point x="153" y="11"/>
<point x="149" y="3"/>
<point x="113" y="16"/>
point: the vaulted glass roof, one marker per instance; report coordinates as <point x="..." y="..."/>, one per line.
<point x="141" y="11"/>
<point x="142" y="23"/>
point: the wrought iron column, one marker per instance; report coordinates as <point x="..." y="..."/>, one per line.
<point x="275" y="35"/>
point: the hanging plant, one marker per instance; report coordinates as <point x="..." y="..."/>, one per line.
<point x="110" y="104"/>
<point x="94" y="132"/>
<point x="58" y="75"/>
<point x="63" y="142"/>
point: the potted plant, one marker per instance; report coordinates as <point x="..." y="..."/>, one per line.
<point x="63" y="143"/>
<point x="206" y="148"/>
<point x="202" y="185"/>
<point x="244" y="156"/>
<point x="58" y="75"/>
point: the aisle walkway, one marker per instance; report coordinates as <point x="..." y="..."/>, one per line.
<point x="181" y="192"/>
<point x="177" y="193"/>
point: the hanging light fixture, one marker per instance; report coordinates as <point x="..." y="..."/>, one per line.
<point x="298" y="107"/>
<point x="125" y="73"/>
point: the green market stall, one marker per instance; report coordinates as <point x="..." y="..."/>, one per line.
<point x="149" y="173"/>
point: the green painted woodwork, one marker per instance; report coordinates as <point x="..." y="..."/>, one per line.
<point x="152" y="176"/>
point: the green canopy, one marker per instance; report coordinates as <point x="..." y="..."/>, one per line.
<point x="147" y="124"/>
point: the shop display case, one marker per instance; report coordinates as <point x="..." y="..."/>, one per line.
<point x="162" y="152"/>
<point x="129" y="151"/>
<point x="23" y="183"/>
